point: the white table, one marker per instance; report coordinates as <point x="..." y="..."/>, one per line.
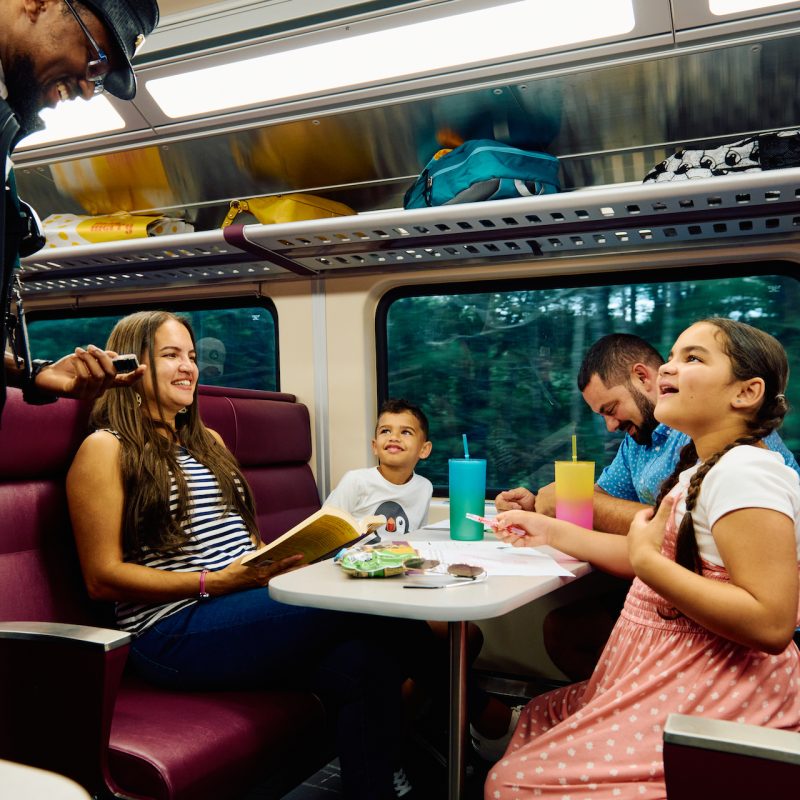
<point x="325" y="585"/>
<point x="21" y="781"/>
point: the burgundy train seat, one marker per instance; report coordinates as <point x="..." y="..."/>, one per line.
<point x="66" y="701"/>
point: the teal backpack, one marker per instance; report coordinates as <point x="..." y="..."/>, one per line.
<point x="483" y="169"/>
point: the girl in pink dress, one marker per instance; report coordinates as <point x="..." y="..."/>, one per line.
<point x="707" y="626"/>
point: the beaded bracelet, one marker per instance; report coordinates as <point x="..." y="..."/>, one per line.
<point x="204" y="595"/>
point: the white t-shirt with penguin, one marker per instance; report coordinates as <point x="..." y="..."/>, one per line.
<point x="365" y="492"/>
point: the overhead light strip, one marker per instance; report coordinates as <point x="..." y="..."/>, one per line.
<point x="76" y="119"/>
<point x="722" y="7"/>
<point x="486" y="35"/>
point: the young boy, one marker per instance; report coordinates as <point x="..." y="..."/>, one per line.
<point x="392" y="488"/>
<point x="395" y="490"/>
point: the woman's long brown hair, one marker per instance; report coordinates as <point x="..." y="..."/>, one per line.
<point x="148" y="457"/>
<point x="753" y="354"/>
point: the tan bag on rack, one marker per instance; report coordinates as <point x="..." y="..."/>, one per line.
<point x="287" y="208"/>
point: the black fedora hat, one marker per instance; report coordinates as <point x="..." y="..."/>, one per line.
<point x="129" y="21"/>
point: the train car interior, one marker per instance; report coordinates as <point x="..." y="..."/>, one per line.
<point x="256" y="184"/>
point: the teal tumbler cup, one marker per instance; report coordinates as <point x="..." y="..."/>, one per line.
<point x="467" y="495"/>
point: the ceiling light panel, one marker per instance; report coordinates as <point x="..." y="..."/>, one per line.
<point x="698" y="19"/>
<point x="722" y="7"/>
<point x="76" y="119"/>
<point x="358" y="55"/>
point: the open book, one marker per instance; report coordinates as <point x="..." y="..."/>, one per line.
<point x="317" y="537"/>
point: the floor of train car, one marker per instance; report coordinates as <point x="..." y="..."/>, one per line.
<point x="427" y="758"/>
<point x="324" y="785"/>
<point x="429" y="776"/>
<point x="430" y="779"/>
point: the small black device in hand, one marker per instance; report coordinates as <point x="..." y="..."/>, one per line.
<point x="127" y="363"/>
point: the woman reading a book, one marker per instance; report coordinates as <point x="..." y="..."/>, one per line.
<point x="163" y="518"/>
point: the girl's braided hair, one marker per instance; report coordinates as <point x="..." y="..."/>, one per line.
<point x="753" y="354"/>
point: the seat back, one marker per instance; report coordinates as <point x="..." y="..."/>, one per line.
<point x="39" y="570"/>
<point x="270" y="435"/>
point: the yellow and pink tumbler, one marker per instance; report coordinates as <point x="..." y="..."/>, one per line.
<point x="575" y="489"/>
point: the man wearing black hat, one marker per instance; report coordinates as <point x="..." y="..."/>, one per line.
<point x="54" y="50"/>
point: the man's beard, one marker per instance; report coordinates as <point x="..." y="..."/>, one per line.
<point x="644" y="431"/>
<point x="23" y="93"/>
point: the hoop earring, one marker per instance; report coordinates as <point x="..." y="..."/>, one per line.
<point x="138" y="399"/>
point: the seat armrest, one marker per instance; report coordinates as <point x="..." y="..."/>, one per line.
<point x="58" y="687"/>
<point x="733" y="737"/>
<point x="106" y="638"/>
<point x="716" y="758"/>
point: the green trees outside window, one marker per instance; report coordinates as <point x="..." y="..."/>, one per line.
<point x="500" y="364"/>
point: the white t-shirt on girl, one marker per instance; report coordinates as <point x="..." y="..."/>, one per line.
<point x="745" y="477"/>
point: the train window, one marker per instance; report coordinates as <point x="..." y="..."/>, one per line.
<point x="499" y="361"/>
<point x="237" y="344"/>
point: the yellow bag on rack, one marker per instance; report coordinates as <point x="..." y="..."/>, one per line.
<point x="287" y="208"/>
<point x="65" y="230"/>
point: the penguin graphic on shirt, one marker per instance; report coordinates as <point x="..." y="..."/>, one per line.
<point x="397" y="525"/>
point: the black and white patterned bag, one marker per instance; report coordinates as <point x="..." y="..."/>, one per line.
<point x="756" y="153"/>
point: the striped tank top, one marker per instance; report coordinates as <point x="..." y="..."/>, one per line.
<point x="216" y="540"/>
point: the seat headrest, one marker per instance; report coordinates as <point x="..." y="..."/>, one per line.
<point x="40" y="441"/>
<point x="259" y="428"/>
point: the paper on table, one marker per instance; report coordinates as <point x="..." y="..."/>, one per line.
<point x="441" y="525"/>
<point x="495" y="557"/>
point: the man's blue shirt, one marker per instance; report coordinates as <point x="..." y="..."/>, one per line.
<point x="638" y="470"/>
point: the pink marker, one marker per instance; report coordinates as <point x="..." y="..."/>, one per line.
<point x="492" y="523"/>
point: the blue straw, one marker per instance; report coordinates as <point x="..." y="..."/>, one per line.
<point x="466" y="448"/>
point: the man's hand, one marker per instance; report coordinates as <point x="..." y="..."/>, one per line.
<point x="85" y="374"/>
<point x="519" y="499"/>
<point x="546" y="500"/>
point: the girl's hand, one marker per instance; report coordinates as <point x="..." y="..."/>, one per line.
<point x="646" y="533"/>
<point x="536" y="527"/>
<point x="236" y="576"/>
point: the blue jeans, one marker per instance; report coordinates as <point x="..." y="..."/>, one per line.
<point x="354" y="663"/>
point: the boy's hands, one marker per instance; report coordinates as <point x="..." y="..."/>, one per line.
<point x="237" y="577"/>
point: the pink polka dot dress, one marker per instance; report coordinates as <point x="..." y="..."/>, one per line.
<point x="603" y="738"/>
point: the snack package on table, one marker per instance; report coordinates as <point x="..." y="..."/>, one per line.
<point x="381" y="560"/>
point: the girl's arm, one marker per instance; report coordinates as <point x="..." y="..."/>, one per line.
<point x="608" y="551"/>
<point x="95" y="495"/>
<point x="758" y="608"/>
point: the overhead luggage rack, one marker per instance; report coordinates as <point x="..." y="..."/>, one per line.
<point x="624" y="218"/>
